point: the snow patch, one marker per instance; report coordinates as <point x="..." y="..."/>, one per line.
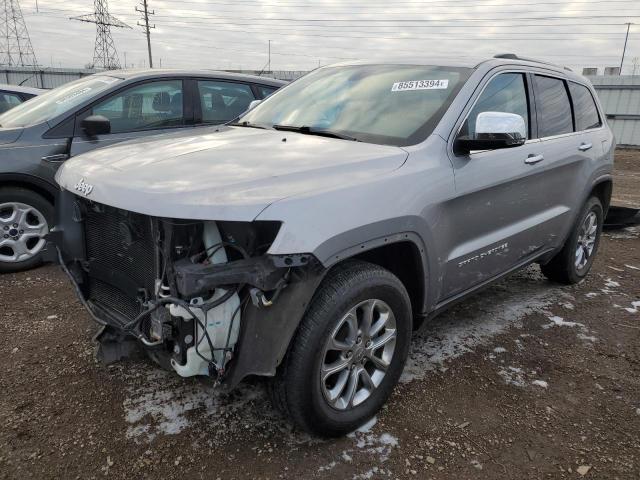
<point x="540" y="383"/>
<point x="499" y="350"/>
<point x="513" y="376"/>
<point x="588" y="338"/>
<point x="625" y="234"/>
<point x="160" y="402"/>
<point x="329" y="466"/>
<point x="365" y="428"/>
<point x="632" y="267"/>
<point x="560" y="322"/>
<point x="476" y="321"/>
<point x="611" y="283"/>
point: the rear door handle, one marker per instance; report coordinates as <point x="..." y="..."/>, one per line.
<point x="533" y="159"/>
<point x="585" y="146"/>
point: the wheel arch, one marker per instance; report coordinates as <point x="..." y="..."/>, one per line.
<point x="602" y="188"/>
<point x="29" y="182"/>
<point x="403" y="258"/>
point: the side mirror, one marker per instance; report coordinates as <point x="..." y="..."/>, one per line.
<point x="494" y="130"/>
<point x="254" y="104"/>
<point x="96" y="125"/>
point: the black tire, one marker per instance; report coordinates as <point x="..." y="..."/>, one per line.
<point x="38" y="202"/>
<point x="562" y="268"/>
<point x="296" y="390"/>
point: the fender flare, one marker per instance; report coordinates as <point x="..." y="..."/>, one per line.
<point x="411" y="228"/>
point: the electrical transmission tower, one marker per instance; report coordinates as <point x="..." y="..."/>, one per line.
<point x="15" y="44"/>
<point x="146" y="28"/>
<point x="104" y="53"/>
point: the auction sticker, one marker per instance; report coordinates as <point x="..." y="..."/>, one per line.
<point x="420" y="85"/>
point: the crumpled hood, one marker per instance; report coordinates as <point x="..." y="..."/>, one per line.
<point x="226" y="173"/>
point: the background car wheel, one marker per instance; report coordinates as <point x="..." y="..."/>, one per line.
<point x="348" y="353"/>
<point x="576" y="257"/>
<point x="25" y="217"/>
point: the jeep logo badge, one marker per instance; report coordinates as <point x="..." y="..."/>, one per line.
<point x="83" y="188"/>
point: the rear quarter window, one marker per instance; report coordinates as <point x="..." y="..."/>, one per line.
<point x="553" y="107"/>
<point x="584" y="107"/>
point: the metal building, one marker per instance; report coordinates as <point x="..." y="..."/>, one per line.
<point x="620" y="98"/>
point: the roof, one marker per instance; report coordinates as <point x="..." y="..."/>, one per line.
<point x="467" y="62"/>
<point x="165" y="72"/>
<point x="21" y="89"/>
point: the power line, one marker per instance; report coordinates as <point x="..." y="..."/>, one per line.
<point x="104" y="52"/>
<point x="146" y="28"/>
<point x="15" y="44"/>
<point x="624" y="49"/>
<point x="385" y="4"/>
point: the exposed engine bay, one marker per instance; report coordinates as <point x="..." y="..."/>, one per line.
<point x="182" y="290"/>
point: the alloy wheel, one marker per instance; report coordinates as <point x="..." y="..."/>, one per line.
<point x="22" y="231"/>
<point x="358" y="354"/>
<point x="586" y="240"/>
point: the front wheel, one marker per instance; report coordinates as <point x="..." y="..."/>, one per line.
<point x="349" y="351"/>
<point x="25" y="217"/>
<point x="575" y="259"/>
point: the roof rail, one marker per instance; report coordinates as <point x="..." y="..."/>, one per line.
<point x="513" y="56"/>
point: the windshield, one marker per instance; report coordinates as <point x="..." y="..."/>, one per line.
<point x="385" y="104"/>
<point x="55" y="102"/>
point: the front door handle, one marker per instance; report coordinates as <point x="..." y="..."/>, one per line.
<point x="533" y="159"/>
<point x="584" y="147"/>
<point x="58" y="157"/>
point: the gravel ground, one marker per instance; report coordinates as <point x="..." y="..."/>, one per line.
<point x="525" y="380"/>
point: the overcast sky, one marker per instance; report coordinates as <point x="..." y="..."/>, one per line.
<point x="234" y="34"/>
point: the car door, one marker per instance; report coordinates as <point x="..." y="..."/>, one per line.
<point x="493" y="220"/>
<point x="219" y="101"/>
<point x="146" y="108"/>
<point x="566" y="149"/>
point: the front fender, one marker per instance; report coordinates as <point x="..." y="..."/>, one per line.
<point x="266" y="333"/>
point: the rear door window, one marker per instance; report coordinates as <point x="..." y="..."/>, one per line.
<point x="265" y="91"/>
<point x="8" y="101"/>
<point x="142" y="107"/>
<point x="584" y="107"/>
<point x="223" y="101"/>
<point x="553" y="107"/>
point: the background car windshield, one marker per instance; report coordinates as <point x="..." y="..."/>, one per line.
<point x="384" y="104"/>
<point x="55" y="102"/>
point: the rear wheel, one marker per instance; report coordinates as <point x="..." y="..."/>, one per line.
<point x="25" y="217"/>
<point x="348" y="353"/>
<point x="575" y="259"/>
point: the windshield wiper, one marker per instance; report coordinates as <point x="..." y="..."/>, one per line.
<point x="314" y="131"/>
<point x="246" y="124"/>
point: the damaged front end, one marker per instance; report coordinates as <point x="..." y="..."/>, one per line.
<point x="198" y="297"/>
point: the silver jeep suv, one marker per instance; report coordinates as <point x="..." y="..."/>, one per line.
<point x="305" y="240"/>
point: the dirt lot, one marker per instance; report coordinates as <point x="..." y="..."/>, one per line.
<point x="526" y="380"/>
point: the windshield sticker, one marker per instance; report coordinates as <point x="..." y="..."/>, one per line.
<point x="420" y="85"/>
<point x="73" y="95"/>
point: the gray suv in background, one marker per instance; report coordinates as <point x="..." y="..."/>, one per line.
<point x="308" y="238"/>
<point x="95" y="111"/>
